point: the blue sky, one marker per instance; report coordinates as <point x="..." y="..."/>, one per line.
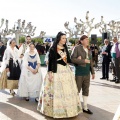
<point x="50" y="15"/>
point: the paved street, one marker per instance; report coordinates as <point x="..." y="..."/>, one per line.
<point x="104" y="100"/>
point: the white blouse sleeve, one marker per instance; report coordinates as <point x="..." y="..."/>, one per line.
<point x="25" y="60"/>
<point x="6" y="57"/>
<point x="5" y="61"/>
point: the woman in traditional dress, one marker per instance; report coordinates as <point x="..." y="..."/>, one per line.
<point x="31" y="76"/>
<point x="59" y="96"/>
<point x="10" y="67"/>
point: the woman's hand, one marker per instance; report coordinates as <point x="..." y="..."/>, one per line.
<point x="35" y="71"/>
<point x="7" y="70"/>
<point x="50" y="77"/>
<point x="79" y="57"/>
<point x="21" y="56"/>
<point x="32" y="70"/>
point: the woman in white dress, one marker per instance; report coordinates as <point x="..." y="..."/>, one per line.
<point x="31" y="76"/>
<point x="10" y="68"/>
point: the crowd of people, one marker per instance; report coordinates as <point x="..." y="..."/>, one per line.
<point x="21" y="67"/>
<point x="111" y="53"/>
<point x="58" y="95"/>
<point x="42" y="48"/>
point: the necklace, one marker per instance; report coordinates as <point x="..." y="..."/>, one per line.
<point x="59" y="46"/>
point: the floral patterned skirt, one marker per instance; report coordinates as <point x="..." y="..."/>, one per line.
<point x="59" y="98"/>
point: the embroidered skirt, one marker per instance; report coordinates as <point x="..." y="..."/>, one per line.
<point x="60" y="98"/>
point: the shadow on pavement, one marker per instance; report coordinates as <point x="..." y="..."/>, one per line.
<point x="5" y="92"/>
<point x="98" y="114"/>
<point x="104" y="85"/>
<point x="14" y="113"/>
<point x="21" y="102"/>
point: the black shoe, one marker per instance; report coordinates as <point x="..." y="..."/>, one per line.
<point x="107" y="78"/>
<point x="112" y="80"/>
<point x="117" y="81"/>
<point x="27" y="99"/>
<point x="87" y="111"/>
<point x="102" y="78"/>
<point x="12" y="93"/>
<point x="36" y="99"/>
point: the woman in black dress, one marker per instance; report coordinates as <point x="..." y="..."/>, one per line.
<point x="12" y="63"/>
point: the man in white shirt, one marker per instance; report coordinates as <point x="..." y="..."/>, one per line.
<point x="25" y="46"/>
<point x="115" y="53"/>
